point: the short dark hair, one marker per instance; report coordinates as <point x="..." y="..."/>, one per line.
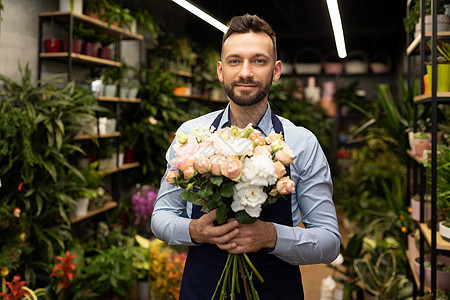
<point x="251" y="23"/>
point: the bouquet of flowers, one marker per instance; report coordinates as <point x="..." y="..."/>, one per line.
<point x="236" y="171"/>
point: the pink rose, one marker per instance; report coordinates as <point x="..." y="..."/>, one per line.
<point x="280" y="169"/>
<point x="262" y="151"/>
<point x="231" y="168"/>
<point x="254" y="135"/>
<point x="285" y="185"/>
<point x="216" y="161"/>
<point x="202" y="164"/>
<point x="273" y="136"/>
<point x="183" y="162"/>
<point x="172" y="176"/>
<point x="285" y="156"/>
<point x="189" y="172"/>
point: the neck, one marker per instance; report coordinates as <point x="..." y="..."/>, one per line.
<point x="240" y="116"/>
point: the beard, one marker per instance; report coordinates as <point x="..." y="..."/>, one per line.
<point x="247" y="98"/>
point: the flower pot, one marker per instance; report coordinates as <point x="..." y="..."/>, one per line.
<point x="357" y="63"/>
<point x="109" y="90"/>
<point x="106" y="163"/>
<point x="443" y="77"/>
<point x="444" y="231"/>
<point x="412" y="247"/>
<point x="105" y="53"/>
<point x="132" y="92"/>
<point x="420" y="146"/>
<point x="64" y="5"/>
<point x="123" y="92"/>
<point x="52" y="45"/>
<point x="77" y="45"/>
<point x="415" y="207"/>
<point x="443" y="22"/>
<point x="110" y="125"/>
<point x="90" y="49"/>
<point x="82" y="207"/>
<point x="129" y="154"/>
<point x="308" y="61"/>
<point x="442" y="277"/>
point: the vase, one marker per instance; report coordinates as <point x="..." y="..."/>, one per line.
<point x="52" y="45"/>
<point x="443" y="77"/>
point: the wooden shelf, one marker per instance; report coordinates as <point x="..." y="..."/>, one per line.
<point x="79" y="58"/>
<point x="415" y="157"/>
<point x="63" y="16"/>
<point x="97" y="136"/>
<point x="443" y="97"/>
<point x="122" y="168"/>
<point x="107" y="206"/>
<point x="118" y="99"/>
<point x="441" y="244"/>
<point x="416" y="42"/>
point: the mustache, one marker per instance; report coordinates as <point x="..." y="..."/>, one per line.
<point x="246" y="81"/>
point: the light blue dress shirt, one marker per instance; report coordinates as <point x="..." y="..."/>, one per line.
<point x="312" y="201"/>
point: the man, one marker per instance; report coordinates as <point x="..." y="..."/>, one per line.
<point x="275" y="244"/>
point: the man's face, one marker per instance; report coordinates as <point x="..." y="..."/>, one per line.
<point x="247" y="68"/>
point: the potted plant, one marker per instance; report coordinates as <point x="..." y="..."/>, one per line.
<point x="412" y="19"/>
<point x="110" y="80"/>
<point x="105" y="40"/>
<point x="415" y="208"/>
<point x="443" y="67"/>
<point x="71" y="6"/>
<point x="89" y="37"/>
<point x="442" y="271"/>
<point x="77" y="41"/>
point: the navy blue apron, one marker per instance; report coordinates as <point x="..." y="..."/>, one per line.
<point x="204" y="264"/>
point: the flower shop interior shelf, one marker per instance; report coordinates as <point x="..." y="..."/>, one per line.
<point x="73" y="27"/>
<point x="430" y="176"/>
<point x="107" y="206"/>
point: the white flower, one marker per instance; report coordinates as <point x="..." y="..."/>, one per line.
<point x="234" y="146"/>
<point x="338" y="261"/>
<point x="326" y="290"/>
<point x="259" y="170"/>
<point x="249" y="198"/>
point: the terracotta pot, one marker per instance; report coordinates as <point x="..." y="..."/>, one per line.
<point x="420" y="146"/>
<point x="52" y="45"/>
<point x="104" y="52"/>
<point x="77" y="45"/>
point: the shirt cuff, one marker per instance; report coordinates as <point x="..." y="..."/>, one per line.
<point x="182" y="234"/>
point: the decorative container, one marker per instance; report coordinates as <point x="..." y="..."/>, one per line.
<point x="81" y="207"/>
<point x="442" y="277"/>
<point x="52" y="45"/>
<point x="444" y="231"/>
<point x="415" y="207"/>
<point x="77" y="45"/>
<point x="443" y="77"/>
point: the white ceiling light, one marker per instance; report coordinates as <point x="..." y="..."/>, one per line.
<point x="201" y="14"/>
<point x="333" y="10"/>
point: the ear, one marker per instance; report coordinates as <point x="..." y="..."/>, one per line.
<point x="277" y="71"/>
<point x="219" y="71"/>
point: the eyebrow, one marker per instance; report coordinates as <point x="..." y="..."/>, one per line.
<point x="256" y="55"/>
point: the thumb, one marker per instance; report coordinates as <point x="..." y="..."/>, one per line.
<point x="209" y="217"/>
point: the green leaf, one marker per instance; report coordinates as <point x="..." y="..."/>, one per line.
<point x="206" y="191"/>
<point x="189" y="196"/>
<point x="227" y="190"/>
<point x="244" y="218"/>
<point x="216" y="180"/>
<point x="222" y="214"/>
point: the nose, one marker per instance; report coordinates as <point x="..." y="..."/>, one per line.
<point x="246" y="70"/>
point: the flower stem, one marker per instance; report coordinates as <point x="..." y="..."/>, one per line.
<point x="228" y="264"/>
<point x="221" y="276"/>
<point x="244" y="278"/>
<point x="253" y="268"/>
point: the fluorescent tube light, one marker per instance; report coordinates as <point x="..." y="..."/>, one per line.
<point x="333" y="10"/>
<point x="201" y="14"/>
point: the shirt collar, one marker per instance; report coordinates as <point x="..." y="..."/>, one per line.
<point x="264" y="125"/>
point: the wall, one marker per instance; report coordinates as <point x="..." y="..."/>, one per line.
<point x="19" y="32"/>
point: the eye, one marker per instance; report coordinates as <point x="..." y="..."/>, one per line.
<point x="260" y="61"/>
<point x="233" y="61"/>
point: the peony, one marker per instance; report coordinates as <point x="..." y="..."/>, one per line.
<point x="285" y="186"/>
<point x="189" y="172"/>
<point x="249" y="198"/>
<point x="216" y="160"/>
<point x="202" y="164"/>
<point x="231" y="168"/>
<point x="259" y="171"/>
<point x="234" y="146"/>
<point x="172" y="176"/>
<point x="262" y="151"/>
<point x="280" y="169"/>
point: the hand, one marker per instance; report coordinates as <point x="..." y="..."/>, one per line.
<point x="203" y="230"/>
<point x="252" y="237"/>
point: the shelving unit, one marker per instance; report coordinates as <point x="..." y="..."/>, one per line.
<point x="428" y="235"/>
<point x="69" y="59"/>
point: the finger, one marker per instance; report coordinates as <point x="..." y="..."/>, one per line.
<point x="226" y="238"/>
<point x="223" y="230"/>
<point x="209" y="217"/>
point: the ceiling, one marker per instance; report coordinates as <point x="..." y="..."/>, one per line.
<point x="369" y="25"/>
